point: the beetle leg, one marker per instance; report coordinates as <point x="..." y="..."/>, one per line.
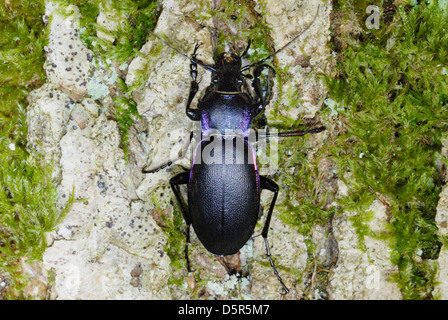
<point x="296" y="133"/>
<point x="180" y="179"/>
<point x="268" y="184"/>
<point x="169" y="163"/>
<point x="263" y="96"/>
<point x="186" y="249"/>
<point x="245" y="53"/>
<point x="193" y="114"/>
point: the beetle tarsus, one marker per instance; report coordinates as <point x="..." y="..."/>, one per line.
<point x="187" y="259"/>
<point x="295" y="133"/>
<point x="299" y="133"/>
<point x="182" y="154"/>
<point x="268" y="253"/>
<point x="193" y="114"/>
<point x="163" y="166"/>
<point x="268" y="184"/>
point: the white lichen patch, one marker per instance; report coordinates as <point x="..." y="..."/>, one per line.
<point x="230" y="284"/>
<point x="97" y="89"/>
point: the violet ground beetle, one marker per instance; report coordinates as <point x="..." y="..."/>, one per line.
<point x="223" y="201"/>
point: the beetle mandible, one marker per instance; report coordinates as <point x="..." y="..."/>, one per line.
<point x="223" y="197"/>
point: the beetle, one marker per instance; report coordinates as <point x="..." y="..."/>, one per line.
<point x="223" y="195"/>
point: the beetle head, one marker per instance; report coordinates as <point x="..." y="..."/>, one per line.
<point x="228" y="76"/>
<point x="229" y="61"/>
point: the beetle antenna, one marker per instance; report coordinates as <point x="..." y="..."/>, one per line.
<point x="256" y="64"/>
<point x="203" y="65"/>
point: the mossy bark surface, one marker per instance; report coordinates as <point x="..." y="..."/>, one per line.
<point x="90" y="97"/>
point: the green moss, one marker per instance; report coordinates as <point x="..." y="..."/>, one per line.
<point x="21" y="55"/>
<point x="27" y="193"/>
<point x="394" y="95"/>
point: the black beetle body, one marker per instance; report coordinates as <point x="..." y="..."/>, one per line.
<point x="223" y="201"/>
<point x="226" y="113"/>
